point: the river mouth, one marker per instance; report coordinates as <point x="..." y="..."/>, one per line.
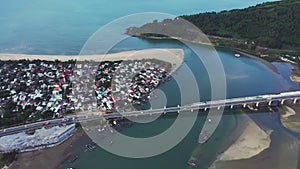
<point x="241" y="75"/>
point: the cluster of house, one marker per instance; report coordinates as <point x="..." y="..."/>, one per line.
<point x="42" y="84"/>
<point x="289" y="58"/>
<point x="124" y="85"/>
<point x="66" y="86"/>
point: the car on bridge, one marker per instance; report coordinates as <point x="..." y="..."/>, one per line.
<point x="46" y="123"/>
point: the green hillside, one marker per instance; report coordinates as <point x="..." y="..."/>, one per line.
<point x="272" y="24"/>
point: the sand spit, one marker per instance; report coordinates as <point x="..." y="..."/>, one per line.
<point x="289" y="112"/>
<point x="290" y="117"/>
<point x="169" y="55"/>
<point x="174" y="56"/>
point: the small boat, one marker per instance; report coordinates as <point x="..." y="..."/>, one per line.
<point x="89" y="147"/>
<point x="111" y="142"/>
<point x="192" y="164"/>
<point x="209" y="120"/>
<point x="237" y="55"/>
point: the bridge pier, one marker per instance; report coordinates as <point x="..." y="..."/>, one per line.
<point x="257" y="104"/>
<point x="192" y="110"/>
<point x="270" y="102"/>
<point x="244" y="105"/>
<point x="231" y="106"/>
<point x="282" y="101"/>
<point x="295" y="100"/>
<point x="219" y="107"/>
<point x="205" y="108"/>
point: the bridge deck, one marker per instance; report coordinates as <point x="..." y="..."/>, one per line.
<point x="195" y="106"/>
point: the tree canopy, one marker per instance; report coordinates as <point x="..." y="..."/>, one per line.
<point x="271" y="24"/>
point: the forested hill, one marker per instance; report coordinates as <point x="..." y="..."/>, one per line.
<point x="271" y="24"/>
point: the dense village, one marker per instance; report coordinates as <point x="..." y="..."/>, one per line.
<point x="34" y="90"/>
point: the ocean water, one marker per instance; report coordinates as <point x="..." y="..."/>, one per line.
<point x="62" y="27"/>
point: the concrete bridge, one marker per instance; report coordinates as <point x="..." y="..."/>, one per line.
<point x="242" y="102"/>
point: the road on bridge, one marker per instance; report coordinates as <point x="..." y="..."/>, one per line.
<point x="195" y="106"/>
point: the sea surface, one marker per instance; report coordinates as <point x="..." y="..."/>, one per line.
<point x="63" y="27"/>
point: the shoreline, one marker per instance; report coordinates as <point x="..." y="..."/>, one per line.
<point x="246" y="53"/>
<point x="263" y="61"/>
<point x="294" y="76"/>
<point x="253" y="141"/>
<point x="165" y="54"/>
<point x="53" y="157"/>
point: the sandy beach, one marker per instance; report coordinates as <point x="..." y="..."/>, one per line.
<point x="174" y="56"/>
<point x="252" y="141"/>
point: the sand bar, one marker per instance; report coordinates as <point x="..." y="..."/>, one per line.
<point x="289" y="112"/>
<point x="289" y="117"/>
<point x="253" y="141"/>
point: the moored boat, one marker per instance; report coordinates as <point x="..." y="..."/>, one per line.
<point x="237" y="55"/>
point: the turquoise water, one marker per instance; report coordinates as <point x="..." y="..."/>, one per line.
<point x="62" y="27"/>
